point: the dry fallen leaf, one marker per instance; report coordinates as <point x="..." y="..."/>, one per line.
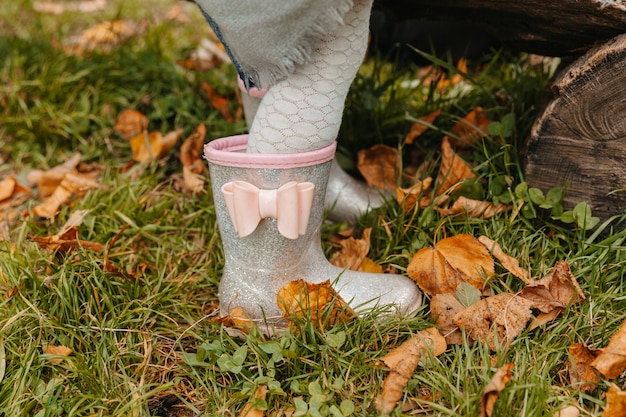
<point x="237" y="319"/>
<point x="130" y="123"/>
<point x="453" y="260"/>
<point x="191" y="158"/>
<point x="568" y="411"/>
<point x="103" y="36"/>
<point x="380" y="166"/>
<point x="611" y="362"/>
<point x="418" y="128"/>
<point x="219" y="102"/>
<point x="300" y="298"/>
<point x="352" y="252"/>
<point x="469" y="129"/>
<point x="72" y="184"/>
<point x="495" y="320"/>
<point x="581" y="374"/>
<point x="85" y="6"/>
<point x="402" y="363"/>
<point x="408" y="197"/>
<point x="58" y="353"/>
<point x="492" y="390"/>
<point x="452" y="171"/>
<point x="556" y="290"/>
<point x="474" y="208"/>
<point x="615" y="402"/>
<point x="152" y="146"/>
<point x="508" y="262"/>
<point x="66" y="242"/>
<point x="249" y="410"/>
<point x="444" y="308"/>
<point x="47" y="181"/>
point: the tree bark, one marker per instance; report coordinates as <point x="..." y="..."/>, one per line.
<point x="580" y="135"/>
<point x="545" y="27"/>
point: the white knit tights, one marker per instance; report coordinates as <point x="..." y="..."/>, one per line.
<point x="304" y="111"/>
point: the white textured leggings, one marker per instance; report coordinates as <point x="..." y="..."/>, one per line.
<point x="304" y="111"/>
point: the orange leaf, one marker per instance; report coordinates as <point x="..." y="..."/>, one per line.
<point x="507" y="261"/>
<point x="421" y="126"/>
<point x="581" y="374"/>
<point x="48" y="181"/>
<point x="612" y="361"/>
<point x="57" y="353"/>
<point x="470" y="128"/>
<point x="495" y="320"/>
<point x="66" y="242"/>
<point x="402" y="363"/>
<point x="219" y="102"/>
<point x="249" y="410"/>
<point x="237" y="319"/>
<point x="493" y="389"/>
<point x="474" y="208"/>
<point x="320" y="301"/>
<point x="615" y="402"/>
<point x="453" y="170"/>
<point x="352" y="252"/>
<point x="71" y="184"/>
<point x="131" y="123"/>
<point x="152" y="146"/>
<point x="407" y="197"/>
<point x="556" y="290"/>
<point x="191" y="158"/>
<point x="453" y="260"/>
<point x="380" y="166"/>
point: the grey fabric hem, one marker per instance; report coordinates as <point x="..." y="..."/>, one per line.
<point x="267" y="41"/>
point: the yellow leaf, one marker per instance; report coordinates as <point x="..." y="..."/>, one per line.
<point x="615" y="402"/>
<point x="57" y="353"/>
<point x="408" y="197"/>
<point x="249" y="410"/>
<point x="319" y="301"/>
<point x="152" y="146"/>
<point x="453" y="260"/>
<point x="452" y="171"/>
<point x="131" y="123"/>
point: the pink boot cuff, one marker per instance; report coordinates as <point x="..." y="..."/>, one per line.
<point x="231" y="151"/>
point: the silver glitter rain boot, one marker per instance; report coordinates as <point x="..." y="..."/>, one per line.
<point x="346" y="198"/>
<point x="270" y="210"/>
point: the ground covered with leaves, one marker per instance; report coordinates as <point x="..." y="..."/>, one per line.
<point x="110" y="255"/>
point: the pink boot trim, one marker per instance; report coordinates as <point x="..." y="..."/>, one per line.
<point x="230" y="151"/>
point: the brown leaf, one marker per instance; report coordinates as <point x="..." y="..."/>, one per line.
<point x="300" y="298"/>
<point x="72" y="184"/>
<point x="612" y="361"/>
<point x="103" y="36"/>
<point x="352" y="252"/>
<point x="380" y="166"/>
<point x="567" y="411"/>
<point x="452" y="171"/>
<point x="131" y="123"/>
<point x="48" y="181"/>
<point x="495" y="320"/>
<point x="407" y="197"/>
<point x="237" y="319"/>
<point x="615" y="402"/>
<point x="474" y="208"/>
<point x="53" y="7"/>
<point x="469" y="129"/>
<point x="249" y="410"/>
<point x="58" y="353"/>
<point x="508" y="262"/>
<point x="10" y="188"/>
<point x="418" y="128"/>
<point x="152" y="146"/>
<point x="444" y="308"/>
<point x="66" y="242"/>
<point x="219" y="102"/>
<point x="556" y="290"/>
<point x="581" y="374"/>
<point x="402" y="363"/>
<point x="456" y="259"/>
<point x="492" y="391"/>
<point x="191" y="158"/>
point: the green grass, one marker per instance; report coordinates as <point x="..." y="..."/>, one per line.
<point x="144" y="341"/>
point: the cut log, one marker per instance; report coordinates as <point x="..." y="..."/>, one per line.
<point x="580" y="135"/>
<point x="545" y="27"/>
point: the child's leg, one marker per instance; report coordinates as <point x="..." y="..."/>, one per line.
<point x="304" y="111"/>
